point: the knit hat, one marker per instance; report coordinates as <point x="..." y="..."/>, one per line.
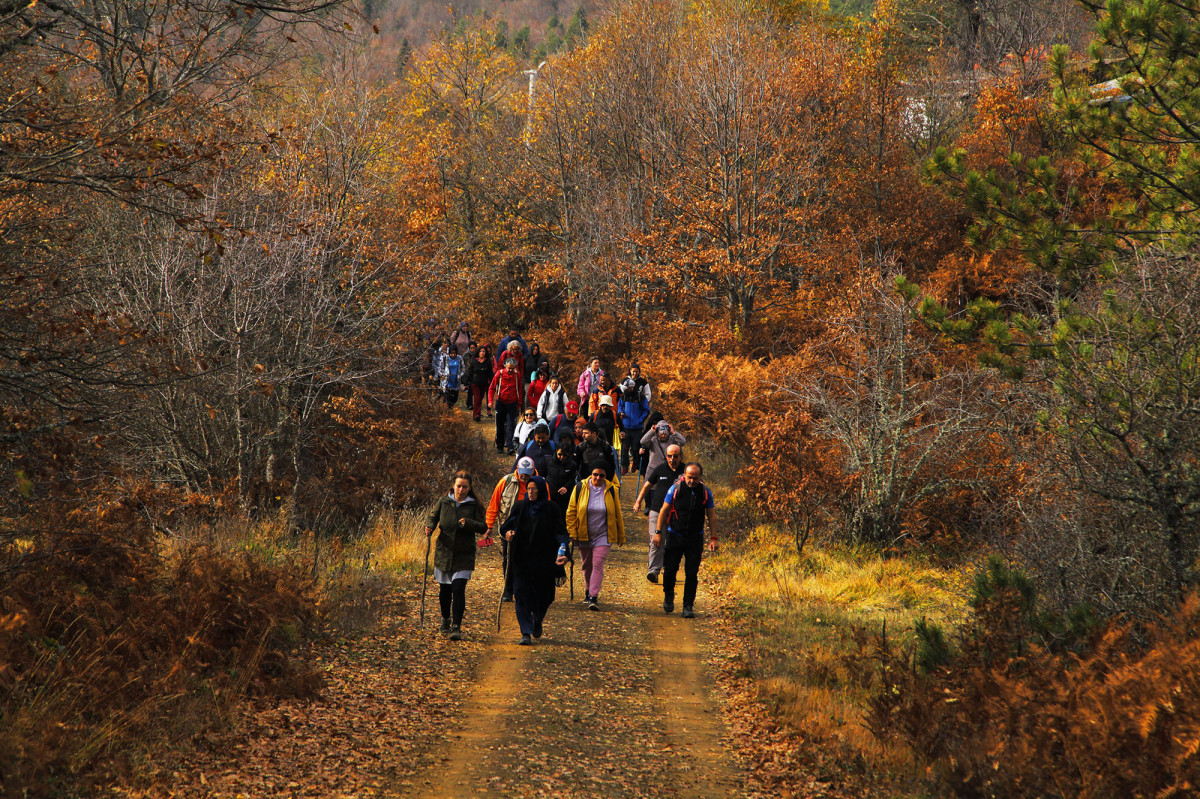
<point x="541" y="425"/>
<point x="525" y="466"/>
<point x="662" y="427"/>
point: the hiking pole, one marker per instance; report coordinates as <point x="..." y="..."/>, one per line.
<point x="571" y="559"/>
<point x="503" y="586"/>
<point x="425" y="578"/>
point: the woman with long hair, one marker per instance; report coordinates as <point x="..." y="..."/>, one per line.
<point x="460" y="519"/>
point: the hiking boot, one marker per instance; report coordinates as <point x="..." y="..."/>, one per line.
<point x="456" y="632"/>
<point x="593" y="605"/>
<point x="446" y="625"/>
<point x="508" y="597"/>
<point x="669" y="605"/>
<point x="525" y="641"/>
<point x="537" y="629"/>
<point x="652" y="577"/>
<point x="688" y="613"/>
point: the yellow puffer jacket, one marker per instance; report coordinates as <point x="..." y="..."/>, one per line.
<point x="577" y="513"/>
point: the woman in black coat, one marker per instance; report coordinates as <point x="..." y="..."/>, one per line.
<point x="537" y="551"/>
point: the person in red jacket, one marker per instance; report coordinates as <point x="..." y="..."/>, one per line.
<point x="536" y="387"/>
<point x="505" y="395"/>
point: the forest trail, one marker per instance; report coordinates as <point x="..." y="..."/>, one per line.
<point x="608" y="703"/>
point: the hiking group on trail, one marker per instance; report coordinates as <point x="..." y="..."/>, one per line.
<point x="563" y="494"/>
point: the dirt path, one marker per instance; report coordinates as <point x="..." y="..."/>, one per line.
<point x="609" y="703"/>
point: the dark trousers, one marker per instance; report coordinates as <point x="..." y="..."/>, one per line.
<point x="453" y="599"/>
<point x="629" y="448"/>
<point x="690" y="552"/>
<point x="506" y="424"/>
<point x="451" y="397"/>
<point x="478" y="398"/>
<point x="533" y="599"/>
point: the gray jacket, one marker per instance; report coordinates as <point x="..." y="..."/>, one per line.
<point x="658" y="449"/>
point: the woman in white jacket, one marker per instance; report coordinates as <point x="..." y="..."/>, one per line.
<point x="553" y="402"/>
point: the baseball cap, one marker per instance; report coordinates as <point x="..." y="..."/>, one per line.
<point x="525" y="466"/>
<point x="572" y="407"/>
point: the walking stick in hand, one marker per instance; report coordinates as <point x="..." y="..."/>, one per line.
<point x="571" y="558"/>
<point x="425" y="577"/>
<point x="503" y="585"/>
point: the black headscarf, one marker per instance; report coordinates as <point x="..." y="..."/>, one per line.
<point x="536" y="506"/>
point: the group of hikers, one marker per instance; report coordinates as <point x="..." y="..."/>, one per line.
<point x="562" y="497"/>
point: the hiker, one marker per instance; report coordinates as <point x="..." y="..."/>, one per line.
<point x="461" y="338"/>
<point x="537" y="539"/>
<point x="562" y="429"/>
<point x="604" y="389"/>
<point x="680" y="531"/>
<point x="509" y="490"/>
<point x="478" y="376"/>
<point x="589" y="381"/>
<point x="605" y="418"/>
<point x="553" y="401"/>
<point x="513" y="353"/>
<point x="504" y="394"/>
<point x="656" y="485"/>
<point x="538" y="448"/>
<point x="451" y="376"/>
<point x="595" y="524"/>
<point x="535" y="360"/>
<point x="595" y="453"/>
<point x="524" y="430"/>
<point x="644" y="454"/>
<point x="460" y="519"/>
<point x="656" y="442"/>
<point x="437" y="362"/>
<point x="537" y="387"/>
<point x="514" y="335"/>
<point x="633" y="409"/>
<point x="562" y="476"/>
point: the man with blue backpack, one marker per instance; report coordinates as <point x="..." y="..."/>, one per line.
<point x="632" y="410"/>
<point x="688" y="504"/>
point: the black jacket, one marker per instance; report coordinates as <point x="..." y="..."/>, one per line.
<point x="600" y="454"/>
<point x="534" y="548"/>
<point x="562" y="474"/>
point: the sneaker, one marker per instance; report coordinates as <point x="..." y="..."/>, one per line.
<point x="592" y="605"/>
<point x="652" y="577"/>
<point x="456" y="632"/>
<point x="537" y="629"/>
<point x="688" y="613"/>
<point x="669" y="605"/>
<point x="525" y="641"/>
<point x="446" y="625"/>
<point x="508" y="597"/>
<point x="587" y="599"/>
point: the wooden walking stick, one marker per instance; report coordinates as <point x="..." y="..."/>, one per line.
<point x="503" y="585"/>
<point x="425" y="578"/>
<point x="571" y="559"/>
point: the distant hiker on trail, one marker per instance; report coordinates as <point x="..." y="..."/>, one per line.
<point x="461" y="338"/>
<point x="539" y="449"/>
<point x="504" y="394"/>
<point x="478" y="376"/>
<point x="515" y="335"/>
<point x="605" y="388"/>
<point x="460" y="519"/>
<point x="589" y="381"/>
<point x="513" y="353"/>
<point x="537" y="540"/>
<point x="562" y="477"/>
<point x="681" y="533"/>
<point x="535" y="361"/>
<point x="553" y="402"/>
<point x="507" y="492"/>
<point x="595" y="453"/>
<point x="524" y="430"/>
<point x="562" y="428"/>
<point x="644" y="454"/>
<point x="605" y="418"/>
<point x="656" y="485"/>
<point x="537" y="387"/>
<point x="656" y="442"/>
<point x="595" y="524"/>
<point x="451" y="376"/>
<point x="632" y="410"/>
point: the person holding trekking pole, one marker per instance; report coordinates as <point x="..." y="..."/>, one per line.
<point x="507" y="492"/>
<point x="688" y="504"/>
<point x="460" y="518"/>
<point x="537" y="543"/>
<point x="595" y="524"/>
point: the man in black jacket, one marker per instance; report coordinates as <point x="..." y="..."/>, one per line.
<point x="594" y="453"/>
<point x="681" y="519"/>
<point x="657" y="484"/>
<point x="562" y="475"/>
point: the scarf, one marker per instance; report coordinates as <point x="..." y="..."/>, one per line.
<point x="537" y="506"/>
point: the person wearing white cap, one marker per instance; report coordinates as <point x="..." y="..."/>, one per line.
<point x="605" y="418"/>
<point x="508" y="491"/>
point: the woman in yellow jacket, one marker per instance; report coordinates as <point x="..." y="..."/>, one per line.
<point x="594" y="523"/>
